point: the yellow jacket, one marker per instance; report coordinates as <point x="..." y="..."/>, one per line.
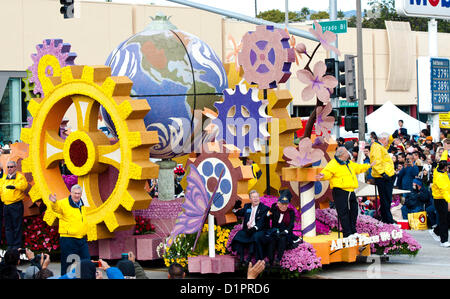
<point x="384" y="163"/>
<point x="256" y="175"/>
<point x="72" y="220"/>
<point x="444" y="156"/>
<point x="441" y="186"/>
<point x="343" y="176"/>
<point x="10" y="196"/>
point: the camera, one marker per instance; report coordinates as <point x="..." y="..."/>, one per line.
<point x="98" y="264"/>
<point x="124" y="256"/>
<point x="22" y="251"/>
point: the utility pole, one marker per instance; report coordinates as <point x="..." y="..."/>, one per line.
<point x="361" y="91"/>
<point x="335" y="101"/>
<point x="286" y="23"/>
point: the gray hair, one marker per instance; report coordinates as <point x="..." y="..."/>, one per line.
<point x="340" y="151"/>
<point x="11" y="162"/>
<point x="252" y="191"/>
<point x="76" y="186"/>
<point x="383" y="135"/>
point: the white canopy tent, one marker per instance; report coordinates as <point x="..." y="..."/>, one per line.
<point x="385" y="119"/>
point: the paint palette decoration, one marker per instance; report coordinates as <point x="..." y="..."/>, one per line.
<point x="266" y="56"/>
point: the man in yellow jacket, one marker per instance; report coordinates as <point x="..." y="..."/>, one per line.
<point x="444" y="156"/>
<point x="441" y="195"/>
<point x="72" y="226"/>
<point x="12" y="192"/>
<point x="341" y="172"/>
<point x="383" y="172"/>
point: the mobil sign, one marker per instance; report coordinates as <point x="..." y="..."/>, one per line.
<point x="424" y="8"/>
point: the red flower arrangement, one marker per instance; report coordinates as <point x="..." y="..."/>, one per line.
<point x="143" y="226"/>
<point x="38" y="236"/>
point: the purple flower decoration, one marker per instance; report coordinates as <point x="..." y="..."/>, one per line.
<point x="324" y="122"/>
<point x="317" y="83"/>
<point x="325" y="38"/>
<point x="304" y="155"/>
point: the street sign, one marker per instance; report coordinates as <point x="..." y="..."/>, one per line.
<point x="338" y="26"/>
<point x="346" y="104"/>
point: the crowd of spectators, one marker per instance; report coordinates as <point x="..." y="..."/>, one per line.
<point x="415" y="158"/>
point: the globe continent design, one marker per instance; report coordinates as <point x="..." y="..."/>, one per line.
<point x="177" y="73"/>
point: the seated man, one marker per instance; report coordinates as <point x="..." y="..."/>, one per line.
<point x="254" y="226"/>
<point x="416" y="200"/>
<point x="281" y="233"/>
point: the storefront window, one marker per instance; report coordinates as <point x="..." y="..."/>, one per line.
<point x="11" y="112"/>
<point x="5" y="114"/>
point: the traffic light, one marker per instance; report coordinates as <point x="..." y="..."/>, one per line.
<point x="331" y="71"/>
<point x="351" y="123"/>
<point x="67" y="8"/>
<point x="347" y="78"/>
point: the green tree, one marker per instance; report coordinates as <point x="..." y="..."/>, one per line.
<point x="319" y="15"/>
<point x="304" y="12"/>
<point x="340" y="14"/>
<point x="277" y="16"/>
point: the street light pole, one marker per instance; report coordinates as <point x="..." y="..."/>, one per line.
<point x="335" y="101"/>
<point x="361" y="91"/>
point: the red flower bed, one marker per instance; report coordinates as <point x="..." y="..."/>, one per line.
<point x="143" y="226"/>
<point x="38" y="236"/>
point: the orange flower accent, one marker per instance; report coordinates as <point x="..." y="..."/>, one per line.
<point x="292" y="44"/>
<point x="235" y="52"/>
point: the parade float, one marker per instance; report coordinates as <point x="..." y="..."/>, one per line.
<point x="164" y="94"/>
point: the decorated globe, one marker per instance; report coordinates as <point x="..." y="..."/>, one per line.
<point x="177" y="73"/>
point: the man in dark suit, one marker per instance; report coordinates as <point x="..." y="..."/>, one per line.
<point x="400" y="131"/>
<point x="281" y="234"/>
<point x="253" y="227"/>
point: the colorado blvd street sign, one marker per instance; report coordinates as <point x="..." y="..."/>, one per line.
<point x="423" y="8"/>
<point x="339" y="26"/>
<point x="345" y="104"/>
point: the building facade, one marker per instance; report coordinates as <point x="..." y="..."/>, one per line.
<point x="389" y="55"/>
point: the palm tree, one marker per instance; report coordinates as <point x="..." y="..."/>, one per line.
<point x="304" y="12"/>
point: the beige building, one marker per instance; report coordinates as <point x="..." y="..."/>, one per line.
<point x="389" y="55"/>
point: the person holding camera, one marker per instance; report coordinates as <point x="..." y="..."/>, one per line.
<point x="72" y="225"/>
<point x="253" y="227"/>
<point x="39" y="263"/>
<point x="12" y="193"/>
<point x="138" y="270"/>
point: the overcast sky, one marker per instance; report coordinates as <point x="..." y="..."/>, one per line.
<point x="247" y="7"/>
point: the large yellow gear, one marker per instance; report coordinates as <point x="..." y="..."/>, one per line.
<point x="87" y="152"/>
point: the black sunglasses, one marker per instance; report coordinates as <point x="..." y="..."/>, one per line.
<point x="11" y="166"/>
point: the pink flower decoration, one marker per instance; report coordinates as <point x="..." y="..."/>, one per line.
<point x="318" y="84"/>
<point x="304" y="155"/>
<point x="325" y="38"/>
<point x="300" y="48"/>
<point x="324" y="122"/>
